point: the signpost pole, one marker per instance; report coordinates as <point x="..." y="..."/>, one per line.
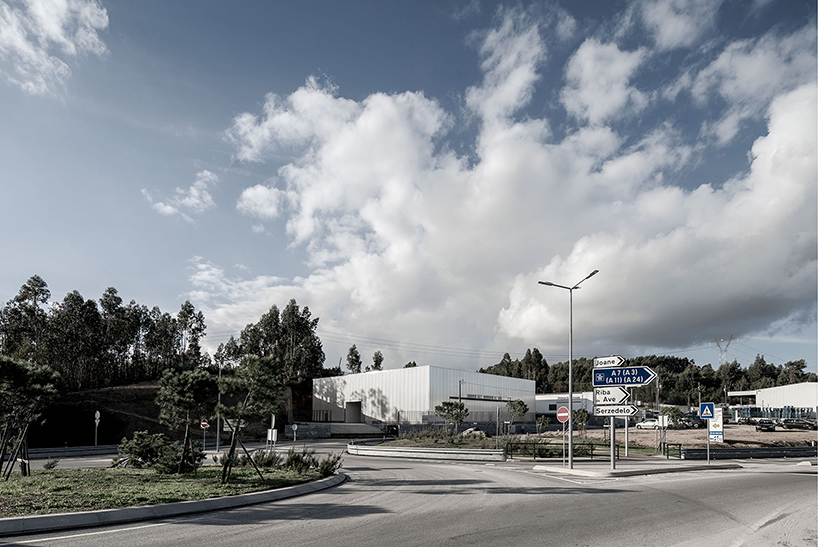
<point x="96" y="426"/>
<point x="563" y="444"/>
<point x="613" y="443"/>
<point x="708" y="441"/>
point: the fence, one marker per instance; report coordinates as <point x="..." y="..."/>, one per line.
<point x="750" y="453"/>
<point x="553" y="450"/>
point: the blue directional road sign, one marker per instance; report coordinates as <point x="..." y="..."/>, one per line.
<point x="623" y="376"/>
<point x="707" y="411"/>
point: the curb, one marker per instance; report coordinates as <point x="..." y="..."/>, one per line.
<point x="459" y="454"/>
<point x="65" y="521"/>
<point x="634" y="472"/>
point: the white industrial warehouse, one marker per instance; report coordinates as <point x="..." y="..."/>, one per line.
<point x="409" y="396"/>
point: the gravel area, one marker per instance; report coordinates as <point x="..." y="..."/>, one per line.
<point x="739" y="436"/>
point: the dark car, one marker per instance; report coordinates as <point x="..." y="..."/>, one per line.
<point x="765" y="425"/>
<point x="796" y="423"/>
<point x="695" y="421"/>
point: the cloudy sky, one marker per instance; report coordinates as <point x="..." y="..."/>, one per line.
<point x="411" y="170"/>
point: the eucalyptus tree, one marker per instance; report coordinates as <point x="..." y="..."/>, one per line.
<point x="354" y="360"/>
<point x="23" y="321"/>
<point x="377" y="361"/>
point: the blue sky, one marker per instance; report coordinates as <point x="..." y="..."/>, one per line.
<point x="410" y="170"/>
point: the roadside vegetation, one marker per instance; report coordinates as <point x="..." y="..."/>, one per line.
<point x="72" y="490"/>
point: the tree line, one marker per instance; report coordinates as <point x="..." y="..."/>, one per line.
<point x="681" y="381"/>
<point x="93" y="345"/>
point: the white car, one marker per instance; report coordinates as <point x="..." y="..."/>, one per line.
<point x="648" y="424"/>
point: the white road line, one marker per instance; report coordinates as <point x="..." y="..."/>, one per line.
<point x="86" y="534"/>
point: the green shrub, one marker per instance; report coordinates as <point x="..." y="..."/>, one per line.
<point x="143" y="450"/>
<point x="269" y="459"/>
<point x="146" y="450"/>
<point x="51" y="464"/>
<point x="329" y="465"/>
<point x="300" y="462"/>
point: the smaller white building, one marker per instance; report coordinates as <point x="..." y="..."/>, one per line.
<point x="409" y="396"/>
<point x="549" y="403"/>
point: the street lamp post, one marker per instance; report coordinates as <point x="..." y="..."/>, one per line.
<point x="570" y="361"/>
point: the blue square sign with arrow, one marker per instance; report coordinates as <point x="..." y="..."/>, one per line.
<point x="707" y="410"/>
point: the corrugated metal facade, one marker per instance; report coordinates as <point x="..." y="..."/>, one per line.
<point x="803" y="395"/>
<point x="409" y="395"/>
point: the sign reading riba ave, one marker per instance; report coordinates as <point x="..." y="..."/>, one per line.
<point x="623" y="376"/>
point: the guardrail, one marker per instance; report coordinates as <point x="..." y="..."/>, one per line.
<point x="749" y="453"/>
<point x="463" y="454"/>
<point x="549" y="450"/>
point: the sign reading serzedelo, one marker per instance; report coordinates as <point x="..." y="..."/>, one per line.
<point x="615" y="410"/>
<point x="562" y="414"/>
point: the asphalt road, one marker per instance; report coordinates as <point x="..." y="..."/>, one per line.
<point x="407" y="502"/>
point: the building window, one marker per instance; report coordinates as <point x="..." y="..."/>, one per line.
<point x="552" y="407"/>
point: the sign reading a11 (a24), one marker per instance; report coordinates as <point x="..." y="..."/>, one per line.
<point x="623" y="376"/>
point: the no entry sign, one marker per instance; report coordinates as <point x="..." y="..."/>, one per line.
<point x="562" y="414"/>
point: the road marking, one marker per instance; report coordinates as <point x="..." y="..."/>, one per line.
<point x="88" y="534"/>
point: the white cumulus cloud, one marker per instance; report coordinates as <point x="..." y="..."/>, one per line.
<point x="404" y="235"/>
<point x="39" y="37"/>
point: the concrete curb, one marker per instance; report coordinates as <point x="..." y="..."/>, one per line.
<point x="428" y="453"/>
<point x="654" y="470"/>
<point x="64" y="521"/>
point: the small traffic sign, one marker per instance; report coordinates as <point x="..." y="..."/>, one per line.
<point x="610" y="395"/>
<point x="204" y="424"/>
<point x="562" y="414"/>
<point x="612" y="361"/>
<point x="707" y="411"/>
<point x="615" y="410"/>
<point x="623" y="376"/>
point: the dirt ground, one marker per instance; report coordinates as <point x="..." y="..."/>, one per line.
<point x="738" y="436"/>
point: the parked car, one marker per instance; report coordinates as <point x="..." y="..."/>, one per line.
<point x="695" y="422"/>
<point x="765" y="425"/>
<point x="796" y="423"/>
<point x="648" y="424"/>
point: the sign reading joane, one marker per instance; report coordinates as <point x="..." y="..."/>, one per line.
<point x="623" y="376"/>
<point x="612" y="361"/>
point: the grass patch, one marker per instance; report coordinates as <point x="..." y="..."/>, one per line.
<point x="72" y="490"/>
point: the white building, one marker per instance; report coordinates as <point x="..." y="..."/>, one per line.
<point x="781" y="401"/>
<point x="409" y="396"/>
<point x="549" y="403"/>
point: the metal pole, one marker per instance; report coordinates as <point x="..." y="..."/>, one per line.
<point x="613" y="443"/>
<point x="708" y="441"/>
<point x="628" y="422"/>
<point x="563" y="444"/>
<point x="570" y="379"/>
<point x="218" y="414"/>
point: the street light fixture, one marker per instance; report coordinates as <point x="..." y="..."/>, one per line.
<point x="570" y="361"/>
